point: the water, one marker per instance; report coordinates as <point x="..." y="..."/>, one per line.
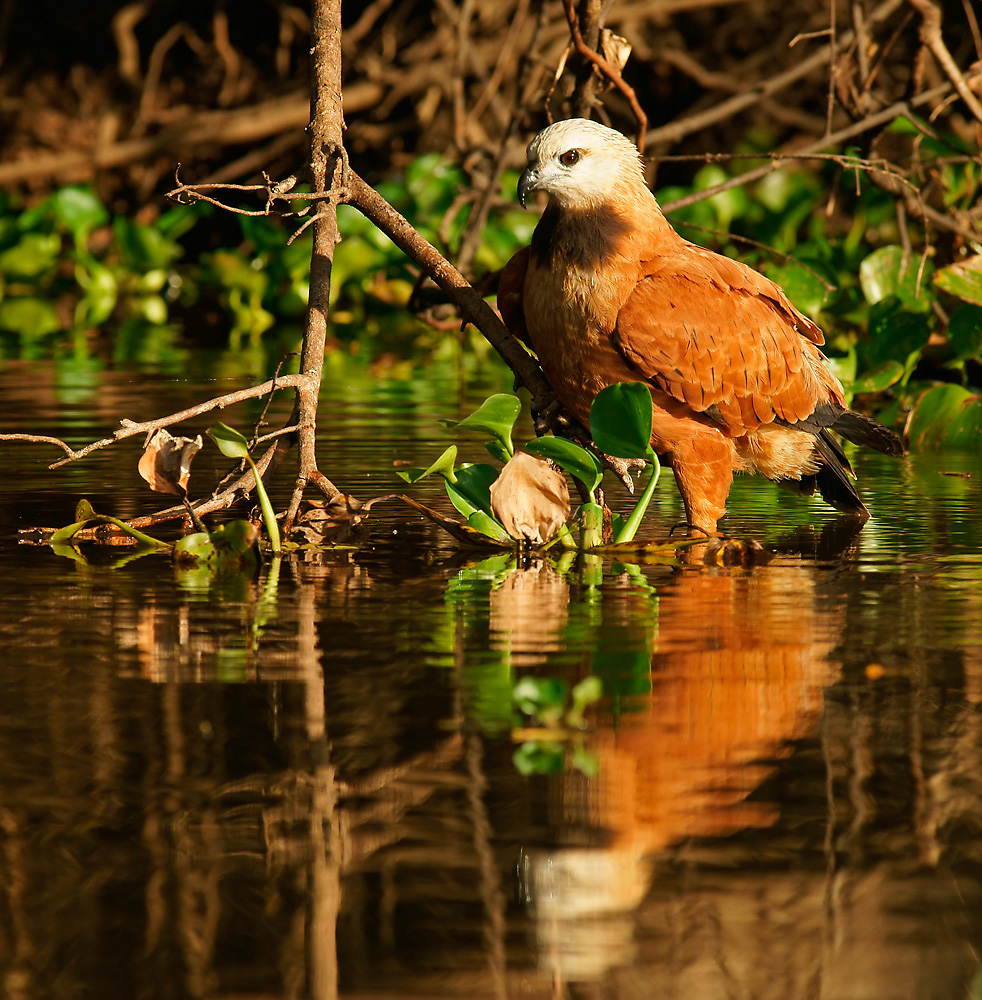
<point x="265" y="786"/>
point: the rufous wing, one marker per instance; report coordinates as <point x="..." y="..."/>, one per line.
<point x="724" y="340"/>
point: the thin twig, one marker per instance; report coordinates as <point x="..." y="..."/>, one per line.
<point x="608" y="69"/>
<point x="725" y="110"/>
<point x="931" y="37"/>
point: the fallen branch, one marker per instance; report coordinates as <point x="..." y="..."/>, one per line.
<point x="131" y="428"/>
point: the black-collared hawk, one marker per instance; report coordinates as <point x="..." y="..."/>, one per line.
<point x="609" y="292"/>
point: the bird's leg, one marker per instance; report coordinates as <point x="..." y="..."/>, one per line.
<point x="703" y="471"/>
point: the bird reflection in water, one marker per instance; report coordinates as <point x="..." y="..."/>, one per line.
<point x="737" y="670"/>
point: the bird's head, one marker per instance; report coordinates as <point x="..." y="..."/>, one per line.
<point x="578" y="163"/>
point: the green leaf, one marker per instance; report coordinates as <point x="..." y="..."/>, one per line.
<point x="585" y="761"/>
<point x="570" y="457"/>
<point x="143" y="248"/>
<point x="588" y="691"/>
<point x="197" y="546"/>
<point x="471" y="490"/>
<point x="591" y="526"/>
<point x="946" y="416"/>
<point x="28" y="318"/>
<point x="965" y="332"/>
<point x="891" y="272"/>
<point x="965" y="431"/>
<point x="487" y="525"/>
<point x="230" y="442"/>
<point x="80" y="211"/>
<point x="963" y="280"/>
<point x="629" y="527"/>
<point x="497" y="450"/>
<point x="86" y="517"/>
<point x="537" y="696"/>
<point x="495" y="416"/>
<point x="895" y="333"/>
<point x="32" y="256"/>
<point x="535" y="757"/>
<point x="235" y="539"/>
<point x="802" y="283"/>
<point x="620" y="420"/>
<point x="880" y="378"/>
<point x="444" y="465"/>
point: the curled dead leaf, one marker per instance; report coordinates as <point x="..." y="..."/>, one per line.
<point x="615" y="48"/>
<point x="530" y="498"/>
<point x="166" y="462"/>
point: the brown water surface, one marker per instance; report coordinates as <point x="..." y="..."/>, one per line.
<point x="304" y="781"/>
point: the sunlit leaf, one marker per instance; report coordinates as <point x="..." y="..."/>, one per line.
<point x="620" y="420"/>
<point x="236" y="539"/>
<point x="86" y="517"/>
<point x="963" y="279"/>
<point x="497" y="450"/>
<point x="887" y="374"/>
<point x="230" y="442"/>
<point x="233" y="445"/>
<point x="29" y="318"/>
<point x="945" y="416"/>
<point x="530" y="499"/>
<point x="889" y="271"/>
<point x="443" y="466"/>
<point x="587" y="762"/>
<point x="166" y="462"/>
<point x="197" y="546"/>
<point x="584" y="694"/>
<point x="540" y="696"/>
<point x="80" y="211"/>
<point x="571" y="457"/>
<point x="487" y="525"/>
<point x="35" y="254"/>
<point x="495" y="416"/>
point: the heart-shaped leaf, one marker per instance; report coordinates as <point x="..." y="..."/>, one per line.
<point x="620" y="420"/>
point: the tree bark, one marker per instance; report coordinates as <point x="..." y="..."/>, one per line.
<point x="327" y="161"/>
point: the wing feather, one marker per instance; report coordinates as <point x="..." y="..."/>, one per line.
<point x="721" y="338"/>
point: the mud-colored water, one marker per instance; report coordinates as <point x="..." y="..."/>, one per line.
<point x="305" y="781"/>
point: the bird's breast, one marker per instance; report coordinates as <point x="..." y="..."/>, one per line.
<point x="570" y="313"/>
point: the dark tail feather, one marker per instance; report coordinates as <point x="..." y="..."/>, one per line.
<point x="834" y="477"/>
<point x="860" y="429"/>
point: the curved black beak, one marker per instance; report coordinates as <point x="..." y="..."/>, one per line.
<point x="526" y="183"/>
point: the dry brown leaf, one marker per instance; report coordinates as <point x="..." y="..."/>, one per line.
<point x="530" y="498"/>
<point x="615" y="48"/>
<point x="166" y="462"/>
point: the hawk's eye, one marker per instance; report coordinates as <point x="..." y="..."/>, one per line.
<point x="570" y="157"/>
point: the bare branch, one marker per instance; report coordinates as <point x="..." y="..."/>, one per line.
<point x="931" y="36"/>
<point x="131" y="428"/>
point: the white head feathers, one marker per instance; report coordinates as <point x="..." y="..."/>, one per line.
<point x="579" y="162"/>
